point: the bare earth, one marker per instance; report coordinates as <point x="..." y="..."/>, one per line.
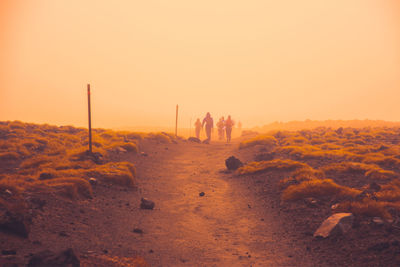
<point x="236" y="223"/>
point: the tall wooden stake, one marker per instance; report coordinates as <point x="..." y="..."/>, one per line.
<point x="176" y="122"/>
<point x="90" y="120"/>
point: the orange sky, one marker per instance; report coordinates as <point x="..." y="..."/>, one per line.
<point x="260" y="61"/>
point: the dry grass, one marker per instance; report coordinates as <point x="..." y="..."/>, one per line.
<point x="276" y="164"/>
<point x="372" y="171"/>
<point x="367" y="207"/>
<point x="369" y="153"/>
<point x="61" y="152"/>
<point x="318" y="188"/>
<point x="265" y="140"/>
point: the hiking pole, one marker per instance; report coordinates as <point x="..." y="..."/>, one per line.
<point x="90" y="120"/>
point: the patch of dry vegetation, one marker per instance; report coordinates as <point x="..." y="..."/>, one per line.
<point x="318" y="188"/>
<point x="276" y="164"/>
<point x="55" y="158"/>
<point x="264" y="140"/>
<point x="322" y="158"/>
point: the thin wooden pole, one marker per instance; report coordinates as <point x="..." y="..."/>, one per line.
<point x="176" y="122"/>
<point x="90" y="120"/>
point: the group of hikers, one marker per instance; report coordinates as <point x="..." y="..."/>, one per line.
<point x="224" y="127"/>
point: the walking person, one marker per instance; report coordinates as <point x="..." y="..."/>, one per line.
<point x="209" y="122"/>
<point x="197" y="126"/>
<point x="221" y="130"/>
<point x="228" y="128"/>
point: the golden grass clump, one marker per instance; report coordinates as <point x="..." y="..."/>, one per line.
<point x="71" y="186"/>
<point x="389" y="192"/>
<point x="36" y="161"/>
<point x="159" y="137"/>
<point x="4" y="156"/>
<point x="367" y="207"/>
<point x="372" y="171"/>
<point x="265" y="140"/>
<point x="318" y="188"/>
<point x="276" y="164"/>
<point x="300" y="175"/>
<point x="121" y="173"/>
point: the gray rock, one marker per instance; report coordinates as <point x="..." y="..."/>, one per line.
<point x="233" y="163"/>
<point x="93" y="181"/>
<point x="147" y="204"/>
<point x="194" y="139"/>
<point x="48" y="258"/>
<point x="337" y="223"/>
<point x="377" y="220"/>
<point x="46" y="176"/>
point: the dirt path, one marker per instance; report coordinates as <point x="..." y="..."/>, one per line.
<point x="228" y="226"/>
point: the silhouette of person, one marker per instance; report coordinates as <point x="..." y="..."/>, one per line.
<point x="228" y="128"/>
<point x="221" y="130"/>
<point x="209" y="122"/>
<point x="197" y="126"/>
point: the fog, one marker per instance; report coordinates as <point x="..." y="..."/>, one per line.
<point x="259" y="61"/>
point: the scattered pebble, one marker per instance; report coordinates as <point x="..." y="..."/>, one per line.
<point x="202" y="194"/>
<point x="137" y="231"/>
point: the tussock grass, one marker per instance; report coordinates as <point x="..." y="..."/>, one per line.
<point x="367" y="207"/>
<point x="372" y="171"/>
<point x="318" y="188"/>
<point x="71" y="186"/>
<point x="61" y="152"/>
<point x="265" y="140"/>
<point x="276" y="164"/>
<point x="371" y="153"/>
<point x="4" y="156"/>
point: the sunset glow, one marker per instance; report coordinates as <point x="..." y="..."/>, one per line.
<point x="260" y="61"/>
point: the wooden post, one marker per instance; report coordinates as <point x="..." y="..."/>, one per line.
<point x="176" y="122"/>
<point x="90" y="120"/>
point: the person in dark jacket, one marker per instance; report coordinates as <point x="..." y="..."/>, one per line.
<point x="209" y="122"/>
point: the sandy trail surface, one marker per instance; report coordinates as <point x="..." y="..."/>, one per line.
<point x="231" y="225"/>
<point x="236" y="223"/>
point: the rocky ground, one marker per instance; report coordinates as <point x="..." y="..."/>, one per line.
<point x="203" y="216"/>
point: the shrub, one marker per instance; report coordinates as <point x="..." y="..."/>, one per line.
<point x="265" y="140"/>
<point x="121" y="173"/>
<point x="366" y="207"/>
<point x="9" y="156"/>
<point x="276" y="164"/>
<point x="72" y="186"/>
<point x="318" y="188"/>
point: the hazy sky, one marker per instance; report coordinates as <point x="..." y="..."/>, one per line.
<point x="260" y="61"/>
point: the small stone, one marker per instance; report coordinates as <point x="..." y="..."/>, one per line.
<point x="46" y="176"/>
<point x="151" y="251"/>
<point x="121" y="150"/>
<point x="147" y="204"/>
<point x="48" y="258"/>
<point x="194" y="139"/>
<point x="93" y="181"/>
<point x="8" y="252"/>
<point x="202" y="194"/>
<point x="137" y="231"/>
<point x="143" y="154"/>
<point x="334" y="206"/>
<point x="62" y="233"/>
<point x="233" y="163"/>
<point x="8" y="192"/>
<point x="338" y="223"/>
<point x="378" y="220"/>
